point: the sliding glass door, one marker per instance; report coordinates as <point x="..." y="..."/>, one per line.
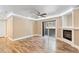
<point x="49" y="35"/>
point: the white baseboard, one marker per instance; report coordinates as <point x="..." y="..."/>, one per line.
<point x="10" y="38"/>
<point x="37" y="35"/>
<point x="2" y="35"/>
<point x="23" y="37"/>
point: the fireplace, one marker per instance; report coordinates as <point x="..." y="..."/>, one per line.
<point x="67" y="34"/>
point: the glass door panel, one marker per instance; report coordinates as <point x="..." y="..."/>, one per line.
<point x="49" y="36"/>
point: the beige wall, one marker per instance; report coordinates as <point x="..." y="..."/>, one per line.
<point x="9" y="27"/>
<point x="34" y="27"/>
<point x="76" y="18"/>
<point x="76" y="37"/>
<point x="18" y="27"/>
<point x="76" y="25"/>
<point x="37" y="28"/>
<point x="22" y="27"/>
<point x="58" y="28"/>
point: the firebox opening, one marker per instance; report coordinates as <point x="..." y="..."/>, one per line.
<point x="67" y="34"/>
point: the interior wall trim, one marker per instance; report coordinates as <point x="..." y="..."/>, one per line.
<point x="14" y="14"/>
<point x="24" y="37"/>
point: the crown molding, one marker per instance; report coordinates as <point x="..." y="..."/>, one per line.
<point x="30" y="18"/>
<point x="14" y="14"/>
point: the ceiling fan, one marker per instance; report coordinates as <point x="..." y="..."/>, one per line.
<point x="39" y="14"/>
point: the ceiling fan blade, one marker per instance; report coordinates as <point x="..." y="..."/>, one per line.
<point x="43" y="15"/>
<point x="37" y="12"/>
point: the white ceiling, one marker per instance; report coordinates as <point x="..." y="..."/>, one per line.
<point x="28" y="10"/>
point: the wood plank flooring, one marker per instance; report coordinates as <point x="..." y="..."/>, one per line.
<point x="32" y="45"/>
<point x="63" y="47"/>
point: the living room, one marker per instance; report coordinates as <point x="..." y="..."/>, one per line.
<point x="37" y="29"/>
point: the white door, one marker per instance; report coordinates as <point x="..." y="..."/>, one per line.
<point x="2" y="28"/>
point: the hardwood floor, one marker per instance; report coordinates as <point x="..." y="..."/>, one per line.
<point x="32" y="45"/>
<point x="63" y="47"/>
